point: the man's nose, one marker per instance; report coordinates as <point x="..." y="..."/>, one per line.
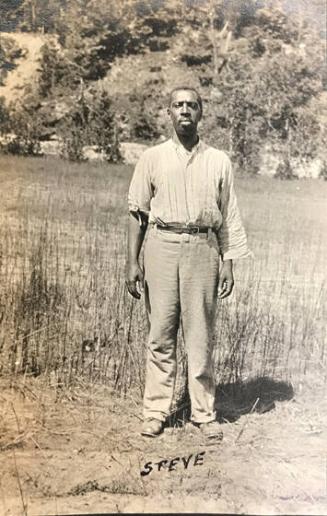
<point x="185" y="108"/>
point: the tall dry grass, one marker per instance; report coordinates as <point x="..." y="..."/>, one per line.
<point x="64" y="310"/>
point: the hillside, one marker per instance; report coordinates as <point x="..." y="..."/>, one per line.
<point x="259" y="71"/>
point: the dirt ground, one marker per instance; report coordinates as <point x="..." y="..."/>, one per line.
<point x="80" y="452"/>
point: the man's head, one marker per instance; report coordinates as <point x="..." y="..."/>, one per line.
<point x="185" y="110"/>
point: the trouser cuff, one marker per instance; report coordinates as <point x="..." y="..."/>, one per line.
<point x="200" y="420"/>
<point x="156" y="415"/>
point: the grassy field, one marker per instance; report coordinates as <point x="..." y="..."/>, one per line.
<point x="64" y="309"/>
<point x="68" y="328"/>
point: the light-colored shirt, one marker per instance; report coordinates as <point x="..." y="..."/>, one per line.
<point x="172" y="185"/>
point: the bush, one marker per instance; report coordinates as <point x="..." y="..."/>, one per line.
<point x="25" y="128"/>
<point x="323" y="172"/>
<point x="9" y="51"/>
<point x="4" y="116"/>
<point x="87" y="120"/>
<point x="91" y="122"/>
<point x="285" y="170"/>
<point x="57" y="73"/>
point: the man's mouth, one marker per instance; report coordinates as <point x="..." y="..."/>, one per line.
<point x="185" y="121"/>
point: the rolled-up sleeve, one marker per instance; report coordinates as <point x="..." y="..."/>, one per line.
<point x="140" y="189"/>
<point x="231" y="235"/>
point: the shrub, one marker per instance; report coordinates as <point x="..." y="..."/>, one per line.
<point x="9" y="51"/>
<point x="323" y="172"/>
<point x="285" y="170"/>
<point x="88" y="120"/>
<point x="91" y="122"/>
<point x="26" y="128"/>
<point x="4" y="116"/>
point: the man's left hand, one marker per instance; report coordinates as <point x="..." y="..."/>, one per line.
<point x="226" y="280"/>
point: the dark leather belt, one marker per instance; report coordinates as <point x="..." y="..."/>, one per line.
<point x="191" y="230"/>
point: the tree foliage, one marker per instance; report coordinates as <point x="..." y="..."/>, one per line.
<point x="90" y="122"/>
<point x="257" y="68"/>
<point x="8" y="53"/>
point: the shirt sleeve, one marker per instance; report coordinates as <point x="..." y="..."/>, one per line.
<point x="231" y="234"/>
<point x="140" y="189"/>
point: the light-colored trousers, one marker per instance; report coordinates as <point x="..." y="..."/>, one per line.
<point x="181" y="279"/>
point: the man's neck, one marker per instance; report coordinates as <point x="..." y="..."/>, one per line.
<point x="188" y="141"/>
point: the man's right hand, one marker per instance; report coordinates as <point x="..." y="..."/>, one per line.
<point x="135" y="280"/>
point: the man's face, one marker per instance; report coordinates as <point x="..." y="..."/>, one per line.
<point x="185" y="112"/>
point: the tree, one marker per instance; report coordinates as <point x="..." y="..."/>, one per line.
<point x="272" y="68"/>
<point x="8" y="53"/>
<point x="31" y="15"/>
<point x="90" y="122"/>
<point x="11" y="14"/>
<point x="256" y="67"/>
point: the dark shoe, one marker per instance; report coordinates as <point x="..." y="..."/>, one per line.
<point x="152" y="427"/>
<point x="212" y="430"/>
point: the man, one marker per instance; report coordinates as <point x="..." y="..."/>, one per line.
<point x="182" y="191"/>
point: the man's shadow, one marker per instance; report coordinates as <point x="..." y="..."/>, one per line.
<point x="236" y="399"/>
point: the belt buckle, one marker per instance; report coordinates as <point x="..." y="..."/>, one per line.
<point x="195" y="230"/>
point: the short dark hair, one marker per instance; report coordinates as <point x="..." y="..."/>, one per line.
<point x="186" y="88"/>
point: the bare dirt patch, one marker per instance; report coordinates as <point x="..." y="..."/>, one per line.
<point x="26" y="66"/>
<point x="80" y="451"/>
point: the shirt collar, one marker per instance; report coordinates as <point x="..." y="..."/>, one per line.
<point x="180" y="148"/>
